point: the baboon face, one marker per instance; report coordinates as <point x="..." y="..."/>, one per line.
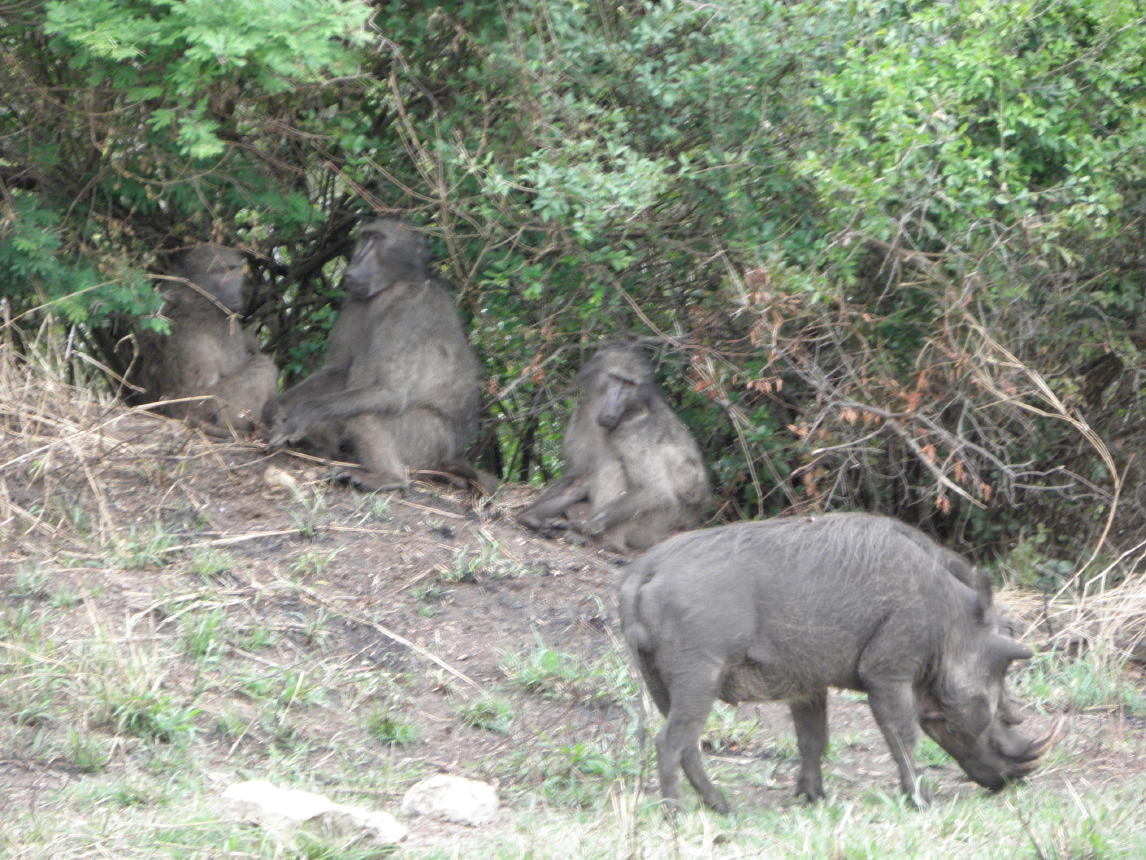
<point x="388" y="252"/>
<point x="218" y="270"/>
<point x="620" y="383"/>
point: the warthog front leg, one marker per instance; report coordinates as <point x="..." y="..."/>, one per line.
<point x="893" y="705"/>
<point x="811" y="719"/>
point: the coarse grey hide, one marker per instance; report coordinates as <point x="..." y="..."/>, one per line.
<point x="783" y="609"/>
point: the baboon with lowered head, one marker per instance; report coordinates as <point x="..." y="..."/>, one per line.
<point x="399" y="388"/>
<point x="628" y="456"/>
<point x="207" y="353"/>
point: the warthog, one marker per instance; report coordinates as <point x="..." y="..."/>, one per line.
<point x="785" y="608"/>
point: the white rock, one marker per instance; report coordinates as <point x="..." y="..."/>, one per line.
<point x="377" y="827"/>
<point x="452" y="798"/>
<point x="282" y="811"/>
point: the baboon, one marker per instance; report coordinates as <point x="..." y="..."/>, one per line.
<point x="207" y="353"/>
<point x="399" y="388"/>
<point x="628" y="456"/>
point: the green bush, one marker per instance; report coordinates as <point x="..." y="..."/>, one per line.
<point x="887" y="251"/>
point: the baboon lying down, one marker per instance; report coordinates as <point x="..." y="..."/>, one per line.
<point x="628" y="456"/>
<point x="207" y="353"/>
<point x="399" y="388"/>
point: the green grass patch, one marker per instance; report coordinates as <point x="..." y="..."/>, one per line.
<point x="390" y="727"/>
<point x="489" y="713"/>
<point x="1050" y="680"/>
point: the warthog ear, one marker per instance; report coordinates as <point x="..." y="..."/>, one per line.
<point x="983" y="589"/>
<point x="978" y="596"/>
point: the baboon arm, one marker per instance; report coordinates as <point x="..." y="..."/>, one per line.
<point x="359" y="400"/>
<point x="246" y="391"/>
<point x="555" y="501"/>
<point x="200" y="367"/>
<point x="208" y="358"/>
<point x="627" y="506"/>
<point x="670" y="484"/>
<point x="322" y="380"/>
<point x="253" y="361"/>
<point x="300" y="413"/>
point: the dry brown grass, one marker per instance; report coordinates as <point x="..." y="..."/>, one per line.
<point x="64" y="446"/>
<point x="1108" y="623"/>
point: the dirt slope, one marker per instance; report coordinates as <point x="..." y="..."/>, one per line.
<point x="300" y="625"/>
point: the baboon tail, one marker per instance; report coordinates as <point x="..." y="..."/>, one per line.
<point x="477" y="479"/>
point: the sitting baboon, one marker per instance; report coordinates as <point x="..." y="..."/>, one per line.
<point x="628" y="456"/>
<point x="207" y="352"/>
<point x="399" y="388"/>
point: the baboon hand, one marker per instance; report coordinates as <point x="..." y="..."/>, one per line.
<point x="276" y="440"/>
<point x="594" y="526"/>
<point x="287" y="428"/>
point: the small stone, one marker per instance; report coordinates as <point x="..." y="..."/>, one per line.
<point x="452" y="798"/>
